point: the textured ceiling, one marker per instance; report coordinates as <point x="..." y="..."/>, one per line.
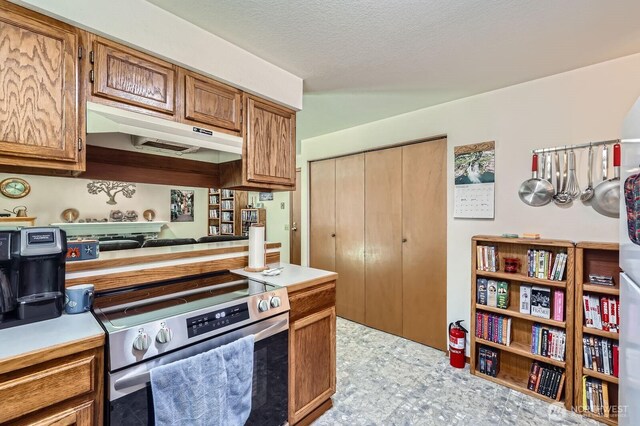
<point x="363" y="60"/>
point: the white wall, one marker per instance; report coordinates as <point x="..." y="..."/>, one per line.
<point x="49" y="196"/>
<point x="277" y="220"/>
<point x="587" y="104"/>
<point x="145" y="26"/>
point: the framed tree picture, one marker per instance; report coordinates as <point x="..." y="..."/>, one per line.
<point x="182" y="205"/>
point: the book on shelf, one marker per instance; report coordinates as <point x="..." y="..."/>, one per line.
<point x="545" y="264"/>
<point x="494" y="328"/>
<point x="228" y="216"/>
<point x="492" y="293"/>
<point x="227" y="193"/>
<point x="525" y="299"/>
<point x="548" y="342"/>
<point x="601" y="312"/>
<point x="227" y="205"/>
<point x="595" y="396"/>
<point x="214" y="214"/>
<point x="226" y="228"/>
<point x="601" y="355"/>
<point x="488" y="361"/>
<point x="487" y="258"/>
<point x="250" y="216"/>
<point x="214" y="199"/>
<point x="541" y="302"/>
<point x="481" y="290"/>
<point x="546" y="380"/>
<point x="558" y="305"/>
<point x="503" y="295"/>
<point x="214" y="230"/>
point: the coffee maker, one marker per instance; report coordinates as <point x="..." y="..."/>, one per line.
<point x="32" y="273"/>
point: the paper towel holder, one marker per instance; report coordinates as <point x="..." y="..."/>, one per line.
<point x="264" y="267"/>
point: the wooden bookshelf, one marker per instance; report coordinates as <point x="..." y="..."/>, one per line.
<point x="603" y="259"/>
<point x="238" y="199"/>
<point x="213" y="223"/>
<point x="516" y="359"/>
<point x="251" y="216"/>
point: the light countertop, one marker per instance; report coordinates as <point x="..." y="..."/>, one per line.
<point x="291" y="275"/>
<point x="41" y="335"/>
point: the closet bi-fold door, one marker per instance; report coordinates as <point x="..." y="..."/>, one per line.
<point x="322" y="229"/>
<point x="424" y="247"/>
<point x="350" y="237"/>
<point x="383" y="240"/>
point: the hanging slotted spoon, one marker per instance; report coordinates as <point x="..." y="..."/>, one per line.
<point x="587" y="194"/>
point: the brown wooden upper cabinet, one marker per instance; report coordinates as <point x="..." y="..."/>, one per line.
<point x="39" y="123"/>
<point x="270" y="143"/>
<point x="209" y="102"/>
<point x="132" y="79"/>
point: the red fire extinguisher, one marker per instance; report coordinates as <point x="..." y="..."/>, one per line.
<point x="457" y="343"/>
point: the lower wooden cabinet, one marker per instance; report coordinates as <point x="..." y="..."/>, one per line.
<point x="61" y="386"/>
<point x="82" y="415"/>
<point x="312" y="352"/>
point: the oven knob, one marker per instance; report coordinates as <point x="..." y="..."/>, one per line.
<point x="164" y="335"/>
<point x="141" y="342"/>
<point x="275" y="302"/>
<point x="263" y="306"/>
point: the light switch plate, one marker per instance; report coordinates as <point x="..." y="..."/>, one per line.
<point x="282" y="205"/>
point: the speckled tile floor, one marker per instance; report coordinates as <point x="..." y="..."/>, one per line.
<point x="387" y="380"/>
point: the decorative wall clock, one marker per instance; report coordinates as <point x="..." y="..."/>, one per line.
<point x="15" y="187"/>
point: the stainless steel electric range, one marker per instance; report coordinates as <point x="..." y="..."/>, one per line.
<point x="164" y="322"/>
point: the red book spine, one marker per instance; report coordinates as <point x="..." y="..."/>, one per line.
<point x="558" y="305"/>
<point x="616" y="364"/>
<point x="604" y="307"/>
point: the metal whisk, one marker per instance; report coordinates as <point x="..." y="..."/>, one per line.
<point x="573" y="188"/>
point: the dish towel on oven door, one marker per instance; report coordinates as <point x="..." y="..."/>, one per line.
<point x="208" y="389"/>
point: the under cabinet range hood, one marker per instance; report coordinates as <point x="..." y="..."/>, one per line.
<point x="159" y="134"/>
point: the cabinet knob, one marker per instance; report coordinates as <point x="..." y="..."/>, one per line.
<point x="333" y="235"/>
<point x="404" y="240"/>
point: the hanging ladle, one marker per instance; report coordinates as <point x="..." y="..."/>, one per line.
<point x="587" y="194"/>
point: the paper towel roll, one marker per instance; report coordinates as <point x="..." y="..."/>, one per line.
<point x="257" y="253"/>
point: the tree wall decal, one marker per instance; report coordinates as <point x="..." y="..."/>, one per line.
<point x="111" y="188"/>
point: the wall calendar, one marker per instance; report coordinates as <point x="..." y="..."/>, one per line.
<point x="474" y="189"/>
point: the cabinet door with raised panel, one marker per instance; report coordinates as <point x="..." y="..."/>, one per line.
<point x="211" y="103"/>
<point x="133" y="78"/>
<point x="270" y="144"/>
<point x="312" y="355"/>
<point x="322" y="223"/>
<point x="38" y="89"/>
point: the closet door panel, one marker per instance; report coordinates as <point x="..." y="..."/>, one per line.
<point x="383" y="240"/>
<point x="322" y="230"/>
<point x="350" y="288"/>
<point x="424" y="219"/>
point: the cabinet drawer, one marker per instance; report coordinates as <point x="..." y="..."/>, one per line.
<point x="44" y="387"/>
<point x="306" y="302"/>
<point x="133" y="78"/>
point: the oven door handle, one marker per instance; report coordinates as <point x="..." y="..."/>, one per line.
<point x="145" y="376"/>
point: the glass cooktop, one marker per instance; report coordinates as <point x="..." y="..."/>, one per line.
<point x="128" y="308"/>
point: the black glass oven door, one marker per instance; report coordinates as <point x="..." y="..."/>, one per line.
<point x="269" y="402"/>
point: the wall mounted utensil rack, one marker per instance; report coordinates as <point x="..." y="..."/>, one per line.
<point x="574" y="147"/>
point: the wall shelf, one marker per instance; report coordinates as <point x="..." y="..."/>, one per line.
<point x="110" y="228"/>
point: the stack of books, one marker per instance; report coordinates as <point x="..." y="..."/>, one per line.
<point x="495" y="328"/>
<point x="595" y="396"/>
<point x="545" y="264"/>
<point x="602" y="313"/>
<point x="214" y="230"/>
<point x="492" y="293"/>
<point x="548" y="342"/>
<point x="487" y="258"/>
<point x="600" y="279"/>
<point x="601" y="355"/>
<point x="546" y="380"/>
<point x="489" y="361"/>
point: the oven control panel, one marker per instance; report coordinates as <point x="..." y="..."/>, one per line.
<point x="214" y="320"/>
